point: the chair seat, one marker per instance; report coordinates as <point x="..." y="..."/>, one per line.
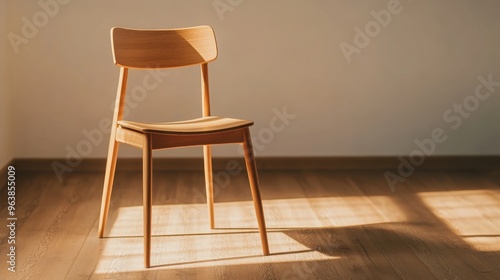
<point x="194" y="126"/>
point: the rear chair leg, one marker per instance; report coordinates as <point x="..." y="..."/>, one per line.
<point x="147" y="196"/>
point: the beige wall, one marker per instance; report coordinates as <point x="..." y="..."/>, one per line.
<point x="273" y="54"/>
<point x="6" y="152"/>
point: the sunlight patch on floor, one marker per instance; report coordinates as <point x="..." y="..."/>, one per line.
<point x="472" y="214"/>
<point x="182" y="238"/>
<point x="190" y="251"/>
<point x="348" y="211"/>
<point x="280" y="213"/>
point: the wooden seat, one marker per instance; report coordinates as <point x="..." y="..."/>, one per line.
<point x="200" y="125"/>
<point x="168" y="48"/>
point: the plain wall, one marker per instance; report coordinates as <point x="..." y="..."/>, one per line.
<point x="272" y="55"/>
<point x="6" y="152"/>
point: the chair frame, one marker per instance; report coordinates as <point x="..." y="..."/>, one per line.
<point x="154" y="140"/>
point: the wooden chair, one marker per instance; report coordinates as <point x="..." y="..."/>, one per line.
<point x="168" y="48"/>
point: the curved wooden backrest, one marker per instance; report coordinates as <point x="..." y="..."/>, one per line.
<point x="163" y="48"/>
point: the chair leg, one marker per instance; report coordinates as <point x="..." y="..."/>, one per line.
<point x="254" y="186"/>
<point x="207" y="156"/>
<point x="108" y="184"/>
<point x="147" y="196"/>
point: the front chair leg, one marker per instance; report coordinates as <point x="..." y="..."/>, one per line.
<point x="209" y="185"/>
<point x="254" y="187"/>
<point x="108" y="184"/>
<point x="147" y="195"/>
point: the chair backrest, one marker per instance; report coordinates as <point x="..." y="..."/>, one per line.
<point x="163" y="48"/>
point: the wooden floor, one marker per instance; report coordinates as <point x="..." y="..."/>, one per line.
<point x="321" y="225"/>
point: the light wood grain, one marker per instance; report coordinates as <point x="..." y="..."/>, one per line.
<point x="147" y="195"/>
<point x="112" y="150"/>
<point x="255" y="189"/>
<point x="163" y="48"/>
